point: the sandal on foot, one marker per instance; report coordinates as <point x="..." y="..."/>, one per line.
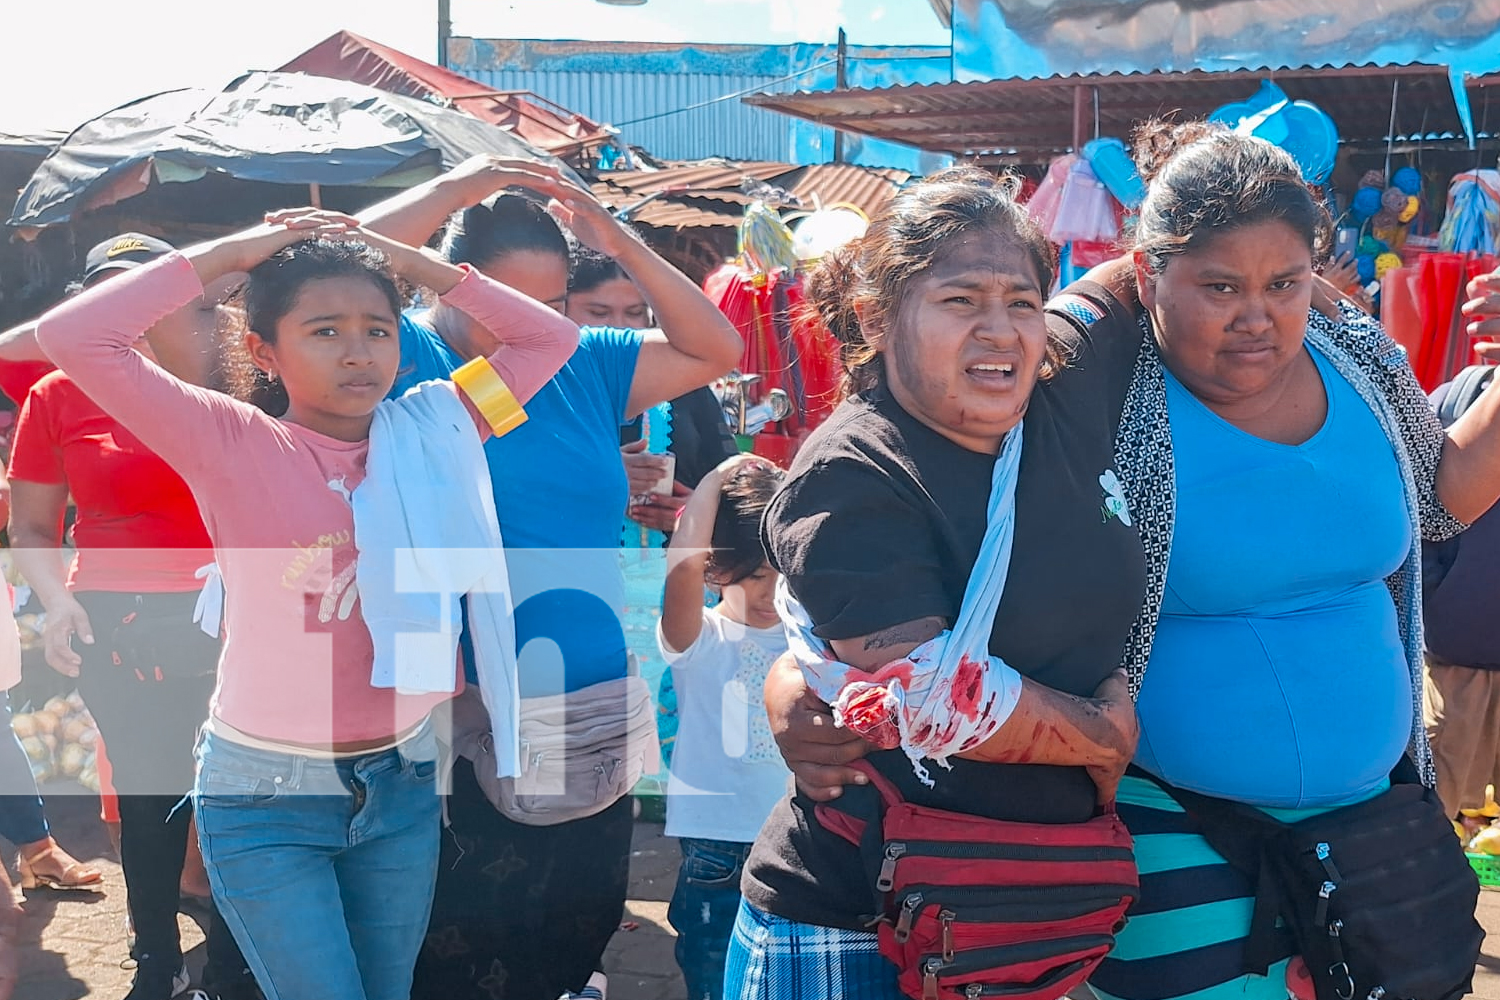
<point x="68" y="873"/>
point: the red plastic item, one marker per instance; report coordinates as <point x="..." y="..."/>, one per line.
<point x="1444" y="347"/>
<point x="1399" y="312"/>
<point x="109" y="802"/>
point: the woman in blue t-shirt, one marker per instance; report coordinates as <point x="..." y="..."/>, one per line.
<point x="526" y="911"/>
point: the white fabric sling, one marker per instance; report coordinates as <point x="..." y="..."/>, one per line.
<point x="949" y="694"/>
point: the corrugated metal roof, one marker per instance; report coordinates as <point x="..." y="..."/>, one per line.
<point x="710" y="193"/>
<point x="1033" y="120"/>
<point x="558" y="130"/>
<point x="1484" y="104"/>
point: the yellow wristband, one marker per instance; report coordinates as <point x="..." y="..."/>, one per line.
<point x="490" y="396"/>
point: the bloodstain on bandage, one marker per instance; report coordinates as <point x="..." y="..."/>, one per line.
<point x="868" y="714"/>
<point x="968" y="684"/>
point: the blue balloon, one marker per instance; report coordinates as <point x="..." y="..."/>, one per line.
<point x="1409" y="180"/>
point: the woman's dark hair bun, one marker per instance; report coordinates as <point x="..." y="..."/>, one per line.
<point x="1156" y="141"/>
<point x="501" y="224"/>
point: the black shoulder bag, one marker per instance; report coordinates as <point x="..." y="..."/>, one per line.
<point x="1378" y="896"/>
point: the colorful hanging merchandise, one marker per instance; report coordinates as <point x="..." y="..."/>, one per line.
<point x="643" y="566"/>
<point x="1445" y="344"/>
<point x="827" y="228"/>
<point x="766" y="244"/>
<point x="1300" y="127"/>
<point x="1042" y="205"/>
<point x="784" y="345"/>
<point x="1472" y="223"/>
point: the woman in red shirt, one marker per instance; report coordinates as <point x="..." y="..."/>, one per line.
<point x="123" y="620"/>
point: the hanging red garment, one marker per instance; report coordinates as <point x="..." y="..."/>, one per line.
<point x="789" y="351"/>
<point x="818" y="359"/>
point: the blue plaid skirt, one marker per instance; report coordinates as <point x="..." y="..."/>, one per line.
<point x="771" y="958"/>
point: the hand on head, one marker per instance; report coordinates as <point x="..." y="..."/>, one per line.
<point x="416" y="264"/>
<point x="571" y="205"/>
<point x="241" y="251"/>
<point x="587" y="218"/>
<point x="488" y="173"/>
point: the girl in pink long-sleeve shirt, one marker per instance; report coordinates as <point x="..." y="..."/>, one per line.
<point x="317" y="810"/>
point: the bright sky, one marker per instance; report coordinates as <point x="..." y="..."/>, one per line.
<point x="58" y="72"/>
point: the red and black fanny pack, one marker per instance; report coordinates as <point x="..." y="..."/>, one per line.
<point x="968" y="907"/>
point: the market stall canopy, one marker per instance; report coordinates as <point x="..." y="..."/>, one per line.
<point x="32" y="145"/>
<point x="268" y="128"/>
<point x="20" y="154"/>
<point x="1032" y="121"/>
<point x="547" y="126"/>
<point x="714" y="193"/>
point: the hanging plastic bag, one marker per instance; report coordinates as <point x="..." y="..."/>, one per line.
<point x="1086" y="211"/>
<point x="1042" y="207"/>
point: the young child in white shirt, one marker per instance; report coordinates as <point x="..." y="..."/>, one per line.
<point x="726" y="771"/>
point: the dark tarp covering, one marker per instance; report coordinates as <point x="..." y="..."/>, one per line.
<point x="271" y="128"/>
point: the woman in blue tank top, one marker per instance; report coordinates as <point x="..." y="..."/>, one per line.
<point x="1283" y="500"/>
<point x="1282" y="465"/>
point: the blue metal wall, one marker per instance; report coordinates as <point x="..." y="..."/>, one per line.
<point x="621" y="83"/>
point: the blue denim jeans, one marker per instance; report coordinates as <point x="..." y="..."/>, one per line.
<point x="703" y="910"/>
<point x="21" y="818"/>
<point x="323" y="869"/>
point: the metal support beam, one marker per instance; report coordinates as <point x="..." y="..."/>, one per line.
<point x="444" y="30"/>
<point x="1082" y="116"/>
<point x="841" y="82"/>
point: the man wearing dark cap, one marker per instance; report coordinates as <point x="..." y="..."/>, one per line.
<point x="122" y="253"/>
<point x="185" y="342"/>
<point x="140" y="539"/>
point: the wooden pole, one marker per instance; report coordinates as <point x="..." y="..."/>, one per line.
<point x="315" y="195"/>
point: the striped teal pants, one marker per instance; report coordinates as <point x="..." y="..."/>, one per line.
<point x="1186" y="935"/>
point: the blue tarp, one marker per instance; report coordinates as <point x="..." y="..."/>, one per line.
<point x="1030" y="39"/>
<point x="1005" y="39"/>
